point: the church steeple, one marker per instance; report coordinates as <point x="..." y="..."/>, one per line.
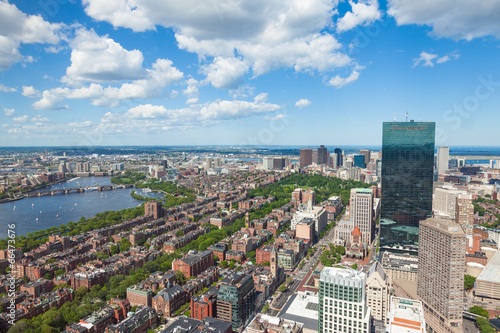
<point x="274" y="262"/>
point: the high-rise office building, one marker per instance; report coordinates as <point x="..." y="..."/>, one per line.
<point x="217" y="162"/>
<point x="359" y="161"/>
<point x="443" y="154"/>
<point x="338" y="152"/>
<point x="305" y="157"/>
<point x="236" y="299"/>
<point x="361" y="212"/>
<point x="342" y="301"/>
<point x="407" y="178"/>
<point x="367" y="154"/>
<point x="322" y="155"/>
<point x="441" y="263"/>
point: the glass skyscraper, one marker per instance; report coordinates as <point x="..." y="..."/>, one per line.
<point x="407" y="176"/>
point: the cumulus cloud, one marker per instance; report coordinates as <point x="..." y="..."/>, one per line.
<point x="158" y="77"/>
<point x="339" y="82"/>
<point x="191" y="92"/>
<point x="427" y="59"/>
<point x="363" y="12"/>
<point x="29" y="91"/>
<point x="21" y="119"/>
<point x="39" y="119"/>
<point x="18" y="28"/>
<point x="148" y="117"/>
<point x="225" y="72"/>
<point x="302" y="103"/>
<point x="238" y="35"/>
<point x="101" y="59"/>
<point x="456" y="19"/>
<point x="8" y="112"/>
<point x="4" y="88"/>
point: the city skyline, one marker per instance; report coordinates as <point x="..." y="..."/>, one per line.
<point x="332" y="71"/>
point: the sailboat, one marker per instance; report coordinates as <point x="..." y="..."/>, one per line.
<point x="32" y="205"/>
<point x="14" y="209"/>
<point x="36" y="219"/>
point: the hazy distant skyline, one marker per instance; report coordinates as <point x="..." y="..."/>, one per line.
<point x="246" y="72"/>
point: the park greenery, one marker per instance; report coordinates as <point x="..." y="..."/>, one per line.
<point x="333" y="256"/>
<point x="128" y="177"/>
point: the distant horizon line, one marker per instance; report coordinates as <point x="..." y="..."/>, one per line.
<point x="227" y="145"/>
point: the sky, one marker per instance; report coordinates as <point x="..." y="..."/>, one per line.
<point x="257" y="72"/>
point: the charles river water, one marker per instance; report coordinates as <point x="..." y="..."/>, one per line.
<point x="37" y="213"/>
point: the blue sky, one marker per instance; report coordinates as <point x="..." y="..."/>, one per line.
<point x="128" y="72"/>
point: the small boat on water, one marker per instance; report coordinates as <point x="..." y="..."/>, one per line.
<point x="36" y="219"/>
<point x="40" y="212"/>
<point x="32" y="205"/>
<point x="75" y="203"/>
<point x="14" y="209"/>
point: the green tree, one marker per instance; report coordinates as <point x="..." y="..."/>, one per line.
<point x="179" y="233"/>
<point x="114" y="249"/>
<point x="282" y="288"/>
<point x="266" y="263"/>
<point x="484" y="326"/>
<point x="479" y="311"/>
<point x="60" y="272"/>
<point x="223" y="263"/>
<point x="181" y="278"/>
<point x="48" y="276"/>
<point x="80" y="292"/>
<point x="469" y="281"/>
<point x="265" y="308"/>
<point x="124" y="245"/>
<point x="340" y="250"/>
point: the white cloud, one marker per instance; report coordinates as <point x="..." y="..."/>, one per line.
<point x="101" y="59"/>
<point x="18" y="28"/>
<point x="339" y="82"/>
<point x="427" y="59"/>
<point x="276" y="117"/>
<point x="4" y="88"/>
<point x="302" y="103"/>
<point x="8" y="112"/>
<point x="456" y="19"/>
<point x="21" y="119"/>
<point x="147" y="117"/>
<point x="225" y="72"/>
<point x="29" y="91"/>
<point x="191" y="91"/>
<point x="39" y="119"/>
<point x="81" y="125"/>
<point x="161" y="75"/>
<point x="239" y="34"/>
<point x="363" y="12"/>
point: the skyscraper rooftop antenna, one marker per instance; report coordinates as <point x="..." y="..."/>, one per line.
<point x="406" y="116"/>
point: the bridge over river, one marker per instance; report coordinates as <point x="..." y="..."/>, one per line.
<point x="78" y="190"/>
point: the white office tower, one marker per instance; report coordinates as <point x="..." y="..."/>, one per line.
<point x="443" y="154"/>
<point x="377" y="291"/>
<point x="342" y="301"/>
<point x="406" y="316"/>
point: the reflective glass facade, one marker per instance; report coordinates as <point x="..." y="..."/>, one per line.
<point x="407" y="176"/>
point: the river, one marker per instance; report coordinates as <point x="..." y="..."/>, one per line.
<point x="38" y="213"/>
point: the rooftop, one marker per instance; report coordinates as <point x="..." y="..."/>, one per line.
<point x="491" y="271"/>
